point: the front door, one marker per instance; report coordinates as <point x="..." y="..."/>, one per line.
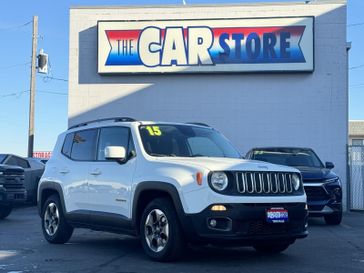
<point x="110" y="182"/>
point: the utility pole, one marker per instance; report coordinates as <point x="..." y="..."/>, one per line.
<point x="32" y="88"/>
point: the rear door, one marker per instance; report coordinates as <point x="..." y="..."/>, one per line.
<point x="110" y="182"/>
<point x="79" y="150"/>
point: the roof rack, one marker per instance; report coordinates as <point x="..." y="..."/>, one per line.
<point x="199" y="124"/>
<point x="115" y="119"/>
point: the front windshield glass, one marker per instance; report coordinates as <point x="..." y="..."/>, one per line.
<point x="185" y="141"/>
<point x="289" y="157"/>
<point x="2" y="158"/>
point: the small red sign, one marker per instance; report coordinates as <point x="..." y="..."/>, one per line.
<point x="45" y="155"/>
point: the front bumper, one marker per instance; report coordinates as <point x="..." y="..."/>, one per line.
<point x="245" y="224"/>
<point x="12" y="196"/>
<point x="323" y="199"/>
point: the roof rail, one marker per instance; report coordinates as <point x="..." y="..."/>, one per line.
<point x="115" y="119"/>
<point x="199" y="124"/>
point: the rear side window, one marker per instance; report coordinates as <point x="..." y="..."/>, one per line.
<point x="112" y="136"/>
<point x="84" y="145"/>
<point x="67" y="145"/>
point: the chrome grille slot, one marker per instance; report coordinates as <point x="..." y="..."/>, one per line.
<point x="249" y="182"/>
<point x="264" y="183"/>
<point x="274" y="184"/>
<point x="289" y="186"/>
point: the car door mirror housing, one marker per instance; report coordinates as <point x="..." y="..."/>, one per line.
<point x="329" y="165"/>
<point x="117" y="153"/>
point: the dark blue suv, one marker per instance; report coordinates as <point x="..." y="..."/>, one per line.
<point x="322" y="185"/>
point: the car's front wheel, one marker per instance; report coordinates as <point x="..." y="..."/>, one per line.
<point x="55" y="228"/>
<point x="5" y="210"/>
<point x="160" y="231"/>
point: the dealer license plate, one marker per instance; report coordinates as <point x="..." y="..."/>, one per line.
<point x="277" y="215"/>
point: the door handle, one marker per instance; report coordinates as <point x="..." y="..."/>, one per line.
<point x="64" y="171"/>
<point x="95" y="172"/>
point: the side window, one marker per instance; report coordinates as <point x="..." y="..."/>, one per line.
<point x="112" y="136"/>
<point x="12" y="161"/>
<point x="67" y="145"/>
<point x="17" y="161"/>
<point x="22" y="163"/>
<point x="84" y="144"/>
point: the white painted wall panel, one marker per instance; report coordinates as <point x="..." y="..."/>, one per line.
<point x="298" y="109"/>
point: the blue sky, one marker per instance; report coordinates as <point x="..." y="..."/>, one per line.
<point x="51" y="98"/>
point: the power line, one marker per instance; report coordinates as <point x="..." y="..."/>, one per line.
<point x="17" y="26"/>
<point x="53" y="92"/>
<point x="14" y="94"/>
<point x="356" y="67"/>
<point x="14" y="65"/>
<point x="46" y="78"/>
<point x="355" y="24"/>
<point x="18" y="94"/>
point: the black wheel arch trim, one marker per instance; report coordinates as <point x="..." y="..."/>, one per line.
<point x="49" y="185"/>
<point x="168" y="188"/>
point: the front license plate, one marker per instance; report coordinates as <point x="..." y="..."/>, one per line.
<point x="277" y="215"/>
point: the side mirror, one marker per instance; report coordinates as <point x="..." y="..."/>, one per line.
<point x="329" y="165"/>
<point x="117" y="153"/>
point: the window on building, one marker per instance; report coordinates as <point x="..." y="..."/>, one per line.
<point x="357" y="142"/>
<point x="84" y="144"/>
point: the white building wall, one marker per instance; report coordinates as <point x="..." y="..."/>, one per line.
<point x="253" y="110"/>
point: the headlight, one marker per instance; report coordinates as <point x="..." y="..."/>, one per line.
<point x="219" y="181"/>
<point x="335" y="179"/>
<point x="296" y="182"/>
<point x="1" y="173"/>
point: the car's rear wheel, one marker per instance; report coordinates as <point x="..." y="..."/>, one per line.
<point x="334" y="219"/>
<point x="5" y="210"/>
<point x="160" y="231"/>
<point x="55" y="228"/>
<point x="272" y="247"/>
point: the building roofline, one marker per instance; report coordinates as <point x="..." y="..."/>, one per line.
<point x="322" y="2"/>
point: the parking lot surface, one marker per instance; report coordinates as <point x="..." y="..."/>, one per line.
<point x="23" y="249"/>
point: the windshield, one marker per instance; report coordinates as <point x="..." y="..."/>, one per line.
<point x="289" y="157"/>
<point x="2" y="158"/>
<point x="185" y="141"/>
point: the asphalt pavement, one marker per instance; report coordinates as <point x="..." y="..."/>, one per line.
<point x="326" y="249"/>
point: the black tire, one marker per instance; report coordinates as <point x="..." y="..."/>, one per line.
<point x="272" y="247"/>
<point x="334" y="219"/>
<point x="175" y="244"/>
<point x="5" y="210"/>
<point x="64" y="231"/>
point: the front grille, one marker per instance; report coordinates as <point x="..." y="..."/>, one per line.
<point x="13" y="172"/>
<point x="316" y="193"/>
<point x="13" y="186"/>
<point x="269" y="183"/>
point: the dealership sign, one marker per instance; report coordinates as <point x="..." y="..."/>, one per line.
<point x="220" y="45"/>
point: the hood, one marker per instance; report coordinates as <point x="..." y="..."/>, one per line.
<point x="311" y="174"/>
<point x="227" y="164"/>
<point x="11" y="168"/>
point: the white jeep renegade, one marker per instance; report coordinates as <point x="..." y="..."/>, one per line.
<point x="170" y="184"/>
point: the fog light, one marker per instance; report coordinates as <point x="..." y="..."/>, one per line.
<point x="213" y="223"/>
<point x="306" y="207"/>
<point x="218" y="208"/>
